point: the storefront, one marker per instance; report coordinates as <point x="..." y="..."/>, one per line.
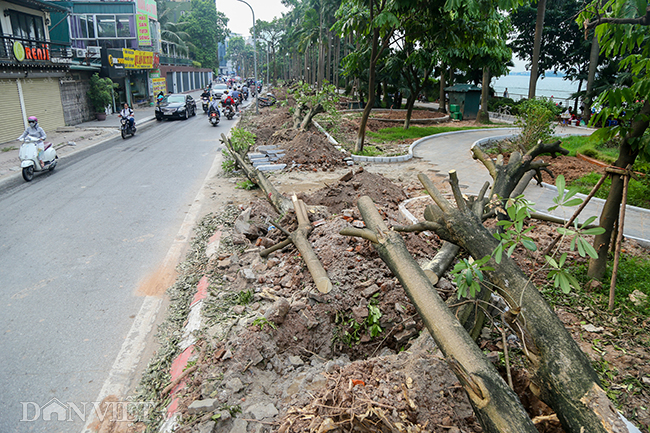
<point x="30" y="69"/>
<point x="130" y="69"/>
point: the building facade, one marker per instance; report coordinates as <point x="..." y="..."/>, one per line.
<point x="31" y="67"/>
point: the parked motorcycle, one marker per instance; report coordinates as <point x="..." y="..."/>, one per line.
<point x="267" y="101"/>
<point x="206" y="103"/>
<point x="213" y="116"/>
<point x="127" y="128"/>
<point x="28" y="155"/>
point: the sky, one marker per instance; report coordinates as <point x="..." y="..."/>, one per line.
<point x="240" y="19"/>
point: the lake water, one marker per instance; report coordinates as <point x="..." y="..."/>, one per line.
<point x="559" y="88"/>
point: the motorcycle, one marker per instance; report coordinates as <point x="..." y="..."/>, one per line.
<point x="206" y="103"/>
<point x="228" y="111"/>
<point x="28" y="155"/>
<point x="245" y="93"/>
<point x="126" y="127"/>
<point x="267" y="101"/>
<point x="213" y="116"/>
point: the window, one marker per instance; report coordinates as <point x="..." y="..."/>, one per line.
<point x="87" y="26"/>
<point x="106" y="26"/>
<point x="123" y="26"/>
<point x="27" y="26"/>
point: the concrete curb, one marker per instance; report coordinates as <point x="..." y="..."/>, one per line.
<point x="187" y="344"/>
<point x="194" y="321"/>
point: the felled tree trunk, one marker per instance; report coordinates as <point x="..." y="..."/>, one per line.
<point x="299" y="239"/>
<point x="283" y="205"/>
<point x="507" y="176"/>
<point x="306" y="121"/>
<point x="280" y="202"/>
<point x="494" y="403"/>
<point x="563" y="375"/>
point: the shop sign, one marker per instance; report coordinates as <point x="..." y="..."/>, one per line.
<point x="134" y="59"/>
<point x="159" y="85"/>
<point x="147" y="7"/>
<point x="28" y="53"/>
<point x="144" y="34"/>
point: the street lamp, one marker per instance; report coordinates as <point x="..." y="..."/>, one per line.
<point x="257" y="101"/>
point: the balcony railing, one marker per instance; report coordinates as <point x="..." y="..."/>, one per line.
<point x="169" y="60"/>
<point x="33" y="51"/>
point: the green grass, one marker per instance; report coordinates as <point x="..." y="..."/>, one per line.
<point x="638" y="193"/>
<point x="398" y="133"/>
<point x="598" y="150"/>
<point x="370" y="150"/>
<point x="632" y="275"/>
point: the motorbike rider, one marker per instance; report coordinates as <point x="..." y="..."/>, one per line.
<point x="127" y="113"/>
<point x="35" y="131"/>
<point x="206" y="93"/>
<point x="236" y="95"/>
<point x="160" y="97"/>
<point x="214" y="106"/>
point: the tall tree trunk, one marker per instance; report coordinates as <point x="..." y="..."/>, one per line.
<point x="337" y="61"/>
<point x="442" y="106"/>
<point x="305" y="70"/>
<point x="410" y="102"/>
<point x="539" y="28"/>
<point x="591" y="77"/>
<point x="575" y="104"/>
<point x="626" y="156"/>
<point x="384" y="91"/>
<point x="361" y="137"/>
<point x="328" y="62"/>
<point x="483" y="115"/>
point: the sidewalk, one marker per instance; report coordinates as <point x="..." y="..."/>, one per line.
<point x="73" y="139"/>
<point x="451" y="151"/>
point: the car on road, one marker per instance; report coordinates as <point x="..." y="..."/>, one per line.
<point x="176" y="106"/>
<point x="218" y="89"/>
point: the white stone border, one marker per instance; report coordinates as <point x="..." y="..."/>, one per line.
<point x="400" y="158"/>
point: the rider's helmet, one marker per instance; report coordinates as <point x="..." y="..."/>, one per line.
<point x="225" y="92"/>
<point x="32" y="120"/>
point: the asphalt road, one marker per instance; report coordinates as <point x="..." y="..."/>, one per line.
<point x="75" y="246"/>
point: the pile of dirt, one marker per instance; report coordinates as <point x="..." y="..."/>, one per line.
<point x="346" y="192"/>
<point x="309" y="150"/>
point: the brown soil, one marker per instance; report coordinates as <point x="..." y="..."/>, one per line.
<point x="320" y="365"/>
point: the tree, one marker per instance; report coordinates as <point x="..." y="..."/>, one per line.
<point x="375" y="22"/>
<point x="241" y="54"/>
<point x="622" y="29"/>
<point x="271" y="32"/>
<point x="206" y="28"/>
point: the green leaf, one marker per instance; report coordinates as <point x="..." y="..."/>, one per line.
<point x="511" y="249"/>
<point x="559" y="183"/>
<point x="498" y="253"/>
<point x="589" y="249"/>
<point x="574" y="202"/>
<point x="594" y="231"/>
<point x="529" y="244"/>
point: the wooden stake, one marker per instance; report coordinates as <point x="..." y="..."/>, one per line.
<point x="619" y="238"/>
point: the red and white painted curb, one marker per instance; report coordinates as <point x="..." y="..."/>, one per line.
<point x="187" y="344"/>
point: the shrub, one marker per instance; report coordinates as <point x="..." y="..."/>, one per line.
<point x="100" y="92"/>
<point x="535" y="119"/>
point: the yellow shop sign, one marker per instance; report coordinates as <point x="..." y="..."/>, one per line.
<point x="136" y="59"/>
